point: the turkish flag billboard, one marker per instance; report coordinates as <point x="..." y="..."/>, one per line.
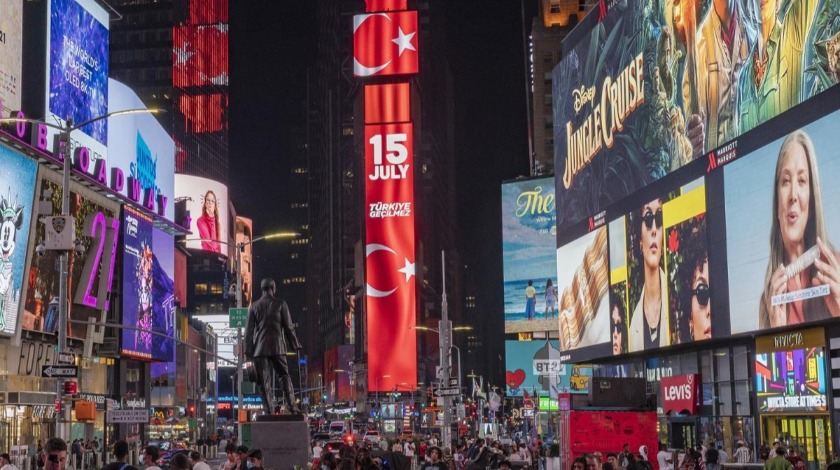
<point x="385" y="43"/>
<point x="390" y="251"/>
<point x="680" y="393"/>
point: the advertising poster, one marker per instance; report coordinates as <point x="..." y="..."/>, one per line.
<point x="660" y="283"/>
<point x="140" y="147"/>
<point x="782" y="229"/>
<point x="91" y="272"/>
<point x="148" y="288"/>
<point x="529" y="255"/>
<point x="206" y="212"/>
<point x="535" y="367"/>
<point x="17" y="190"/>
<point x="582" y="280"/>
<point x="11" y="54"/>
<point x="791" y="381"/>
<point x="390" y="250"/>
<point x="77" y="71"/>
<point x="644" y="88"/>
<point x="244" y="232"/>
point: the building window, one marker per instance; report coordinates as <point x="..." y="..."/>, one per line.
<point x="201" y="288"/>
<point x="216" y="289"/>
<point x="555" y="8"/>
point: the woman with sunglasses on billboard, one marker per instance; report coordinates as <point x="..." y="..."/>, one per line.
<point x="649" y="324"/>
<point x="694" y="281"/>
<point x="801" y="256"/>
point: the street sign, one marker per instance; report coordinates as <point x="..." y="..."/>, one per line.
<point x="128" y="416"/>
<point x="66" y="358"/>
<point x="453" y="382"/>
<point x="238" y="317"/>
<point x="60" y="371"/>
<point x="447" y="392"/>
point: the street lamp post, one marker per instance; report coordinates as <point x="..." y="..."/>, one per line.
<point x="64" y="154"/>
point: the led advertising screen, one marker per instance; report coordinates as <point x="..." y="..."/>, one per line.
<point x="782" y="229"/>
<point x="582" y="280"/>
<point x="207" y="212"/>
<point x="791" y="381"/>
<point x="659" y="280"/>
<point x="385" y="43"/>
<point x="11" y="54"/>
<point x="225" y="334"/>
<point x="148" y="297"/>
<point x="642" y="89"/>
<point x="140" y="147"/>
<point x="17" y="191"/>
<point x="535" y="367"/>
<point x="391" y="283"/>
<point x="91" y="272"/>
<point x="244" y="234"/>
<point x="529" y="255"/>
<point x="77" y="72"/>
<point x="200" y="55"/>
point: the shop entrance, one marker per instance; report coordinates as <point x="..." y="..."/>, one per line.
<point x="683" y="433"/>
<point x="810" y="436"/>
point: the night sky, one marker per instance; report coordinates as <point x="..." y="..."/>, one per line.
<point x="271" y="44"/>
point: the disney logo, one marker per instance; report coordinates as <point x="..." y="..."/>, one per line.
<point x="583" y="96"/>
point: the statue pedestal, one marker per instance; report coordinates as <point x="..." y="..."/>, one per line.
<point x="284" y="443"/>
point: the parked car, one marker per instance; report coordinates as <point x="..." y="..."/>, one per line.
<point x="372" y="436"/>
<point x="332" y="446"/>
<point x="321" y="438"/>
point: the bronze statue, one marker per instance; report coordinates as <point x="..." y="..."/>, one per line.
<point x="269" y="322"/>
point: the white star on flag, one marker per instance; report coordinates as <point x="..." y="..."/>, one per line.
<point x="408" y="270"/>
<point x="182" y="55"/>
<point x="404" y="41"/>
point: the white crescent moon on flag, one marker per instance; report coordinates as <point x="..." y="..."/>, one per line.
<point x="359" y="69"/>
<point x="372" y="291"/>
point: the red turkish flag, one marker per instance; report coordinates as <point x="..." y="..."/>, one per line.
<point x="200" y="55"/>
<point x="390" y="256"/>
<point x="385" y="44"/>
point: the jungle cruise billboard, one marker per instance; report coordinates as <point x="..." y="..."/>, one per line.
<point x="645" y="87"/>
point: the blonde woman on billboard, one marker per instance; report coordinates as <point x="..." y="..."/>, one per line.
<point x="649" y="323"/>
<point x="800" y="253"/>
<point x="208" y="224"/>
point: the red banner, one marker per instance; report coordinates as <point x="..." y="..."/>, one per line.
<point x="390" y="252"/>
<point x="385" y="44"/>
<point x="680" y="393"/>
<point x="385" y="5"/>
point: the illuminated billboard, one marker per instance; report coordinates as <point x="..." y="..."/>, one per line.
<point x="11" y="54"/>
<point x="148" y="296"/>
<point x="535" y="367"/>
<point x="791" y="381"/>
<point x="207" y="212"/>
<point x="390" y="256"/>
<point x="529" y="255"/>
<point x="91" y="272"/>
<point x="244" y="234"/>
<point x="140" y="147"/>
<point x="782" y="226"/>
<point x="385" y="43"/>
<point x="225" y="334"/>
<point x="17" y="191"/>
<point x="77" y="72"/>
<point x="200" y="55"/>
<point x="641" y="90"/>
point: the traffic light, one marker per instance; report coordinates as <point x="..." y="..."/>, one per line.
<point x="324" y="396"/>
<point x="192" y="410"/>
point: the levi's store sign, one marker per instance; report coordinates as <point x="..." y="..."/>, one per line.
<point x="680" y="394"/>
<point x="385" y="43"/>
<point x="390" y="252"/>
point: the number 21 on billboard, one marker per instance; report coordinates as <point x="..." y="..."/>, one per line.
<point x="99" y="259"/>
